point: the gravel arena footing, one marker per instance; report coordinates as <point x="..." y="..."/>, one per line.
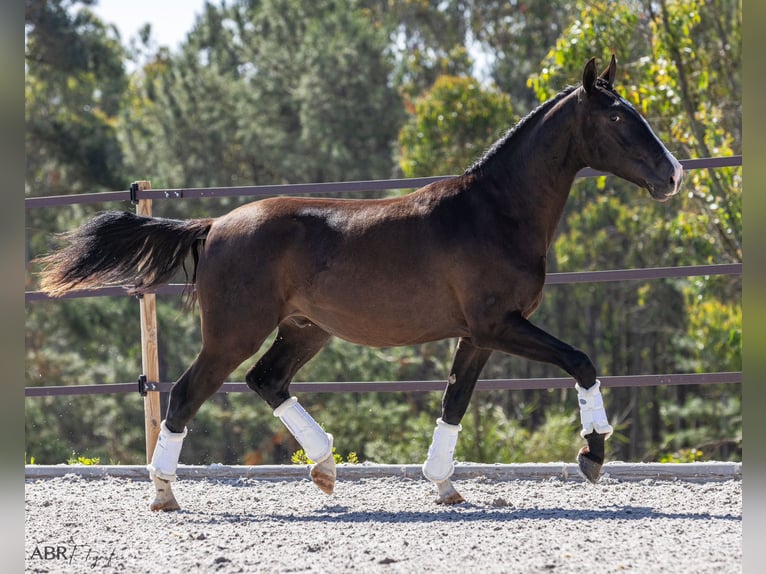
<point x="383" y="518"/>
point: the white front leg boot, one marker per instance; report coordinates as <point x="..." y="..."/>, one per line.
<point x="316" y="443"/>
<point x="166" y="453"/>
<point x="592" y="413"/>
<point x="439" y="465"/>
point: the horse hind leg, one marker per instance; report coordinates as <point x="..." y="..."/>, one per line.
<point x="162" y="468"/>
<point x="297" y="341"/>
<point x="200" y="381"/>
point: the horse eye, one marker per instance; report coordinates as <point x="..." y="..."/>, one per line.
<point x="615" y="117"/>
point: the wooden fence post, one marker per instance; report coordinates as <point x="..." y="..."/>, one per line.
<point x="149" y="353"/>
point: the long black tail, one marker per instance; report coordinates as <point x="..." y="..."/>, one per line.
<point x="120" y="248"/>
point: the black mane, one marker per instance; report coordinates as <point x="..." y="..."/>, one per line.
<point x="515" y="130"/>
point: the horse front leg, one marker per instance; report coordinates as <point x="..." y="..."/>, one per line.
<point x="517" y="336"/>
<point x="595" y="429"/>
<point x="439" y="465"/>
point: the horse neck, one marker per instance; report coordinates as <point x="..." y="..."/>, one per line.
<point x="532" y="170"/>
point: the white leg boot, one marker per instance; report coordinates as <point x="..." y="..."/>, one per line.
<point x="162" y="468"/>
<point x="166" y="453"/>
<point x="316" y="443"/>
<point x="439" y="464"/>
<point x="592" y="413"/>
<point x="593" y="418"/>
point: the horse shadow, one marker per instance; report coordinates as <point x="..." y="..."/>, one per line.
<point x="463" y="513"/>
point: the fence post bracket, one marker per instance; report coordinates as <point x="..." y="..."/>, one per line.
<point x="142" y="385"/>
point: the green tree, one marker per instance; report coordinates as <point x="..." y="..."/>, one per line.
<point x="451" y="126"/>
<point x="515" y="36"/>
<point x="426" y="39"/>
<point x="73" y="87"/>
<point x="680" y="66"/>
<point x="269" y="92"/>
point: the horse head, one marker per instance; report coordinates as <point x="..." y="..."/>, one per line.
<point x="618" y="140"/>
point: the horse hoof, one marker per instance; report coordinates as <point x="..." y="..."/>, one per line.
<point x="448" y="494"/>
<point x="164" y="499"/>
<point x="455" y="498"/>
<point x="589" y="467"/>
<point x="323" y="475"/>
<point x="165" y="505"/>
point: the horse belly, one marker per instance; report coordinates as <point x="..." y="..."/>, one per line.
<point x="379" y="317"/>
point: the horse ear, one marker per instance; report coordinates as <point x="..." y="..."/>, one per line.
<point x="609" y="73"/>
<point x="589" y="75"/>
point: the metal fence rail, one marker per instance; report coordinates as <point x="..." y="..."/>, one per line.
<point x="409" y="386"/>
<point x="304" y="188"/>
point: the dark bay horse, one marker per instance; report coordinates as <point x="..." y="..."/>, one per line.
<point x="463" y="257"/>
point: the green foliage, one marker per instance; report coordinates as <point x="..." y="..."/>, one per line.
<point x="683" y="455"/>
<point x="79" y="459"/>
<point x="516" y="37"/>
<point x="715" y="326"/>
<point x="451" y="125"/>
<point x="681" y="83"/>
<point x="428" y="39"/>
<point x="73" y="85"/>
<point x="272" y="92"/>
<point x="710" y="422"/>
<point x="490" y="435"/>
<point x="299" y="457"/>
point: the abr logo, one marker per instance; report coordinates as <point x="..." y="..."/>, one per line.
<point x="50" y="553"/>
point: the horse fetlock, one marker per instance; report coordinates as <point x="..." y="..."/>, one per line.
<point x="316" y="443"/>
<point x="592" y="412"/>
<point x="166" y="452"/>
<point x="595" y="429"/>
<point x="596" y="447"/>
<point x="439" y="464"/>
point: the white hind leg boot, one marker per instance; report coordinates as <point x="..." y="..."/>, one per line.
<point x="439" y="465"/>
<point x="166" y="453"/>
<point x="592" y="413"/>
<point x="316" y="443"/>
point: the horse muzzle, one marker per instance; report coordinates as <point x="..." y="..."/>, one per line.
<point x="669" y="184"/>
